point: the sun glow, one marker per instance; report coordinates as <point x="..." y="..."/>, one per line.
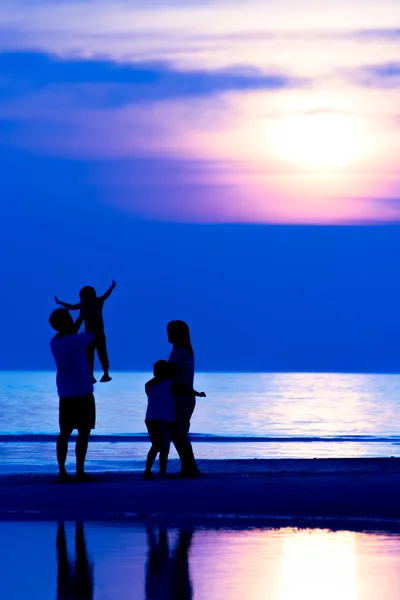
<point x="320" y="141"/>
<point x="319" y="564"/>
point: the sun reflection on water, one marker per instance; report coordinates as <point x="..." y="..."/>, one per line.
<point x="319" y="564"/>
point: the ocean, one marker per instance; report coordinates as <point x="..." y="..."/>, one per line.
<point x="245" y="415"/>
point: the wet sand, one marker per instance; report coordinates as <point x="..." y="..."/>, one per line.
<point x="256" y="490"/>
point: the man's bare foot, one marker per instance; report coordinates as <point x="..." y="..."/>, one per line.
<point x="64" y="477"/>
<point x="105" y="378"/>
<point x="148" y="476"/>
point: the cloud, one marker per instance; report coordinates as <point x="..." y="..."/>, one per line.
<point x="385" y="75"/>
<point x="107" y="83"/>
<point x="384" y="34"/>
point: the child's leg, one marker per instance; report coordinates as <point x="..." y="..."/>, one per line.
<point x="165" y="442"/>
<point x="151" y="457"/>
<point x="102" y="353"/>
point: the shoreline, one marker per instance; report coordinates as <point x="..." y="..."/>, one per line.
<point x="246" y="492"/>
<point x="225" y="466"/>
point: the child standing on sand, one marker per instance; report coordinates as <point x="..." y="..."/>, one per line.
<point x="75" y="390"/>
<point x="91" y="313"/>
<point x="159" y="416"/>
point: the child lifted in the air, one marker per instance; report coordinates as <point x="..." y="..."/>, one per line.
<point x="91" y="313"/>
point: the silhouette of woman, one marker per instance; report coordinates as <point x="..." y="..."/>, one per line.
<point x="168" y="574"/>
<point x="182" y="357"/>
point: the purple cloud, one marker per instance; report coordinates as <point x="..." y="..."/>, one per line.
<point x="385" y="75"/>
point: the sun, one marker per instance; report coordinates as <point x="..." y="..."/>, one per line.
<point x="320" y="141"/>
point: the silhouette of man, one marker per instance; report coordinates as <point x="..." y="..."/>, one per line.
<point x="75" y="390"/>
<point x="74" y="577"/>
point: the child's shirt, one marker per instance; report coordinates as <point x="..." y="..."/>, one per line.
<point x="92" y="315"/>
<point x="74" y="376"/>
<point x="160" y="405"/>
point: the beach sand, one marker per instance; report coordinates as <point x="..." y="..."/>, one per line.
<point x="255" y="490"/>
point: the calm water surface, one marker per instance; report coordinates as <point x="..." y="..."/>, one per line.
<point x="260" y="415"/>
<point x="108" y="561"/>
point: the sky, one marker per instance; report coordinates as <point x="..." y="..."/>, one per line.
<point x="235" y="165"/>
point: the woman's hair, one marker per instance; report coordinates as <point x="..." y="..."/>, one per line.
<point x="87" y="293"/>
<point x="179" y="335"/>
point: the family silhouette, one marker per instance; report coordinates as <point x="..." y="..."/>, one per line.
<point x="171" y="397"/>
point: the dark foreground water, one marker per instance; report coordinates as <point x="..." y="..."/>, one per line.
<point x="245" y="415"/>
<point x="108" y="561"/>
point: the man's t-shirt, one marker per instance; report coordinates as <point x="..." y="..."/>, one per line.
<point x="160" y="405"/>
<point x="74" y="376"/>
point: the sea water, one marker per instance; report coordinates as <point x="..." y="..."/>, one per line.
<point x="46" y="560"/>
<point x="245" y="415"/>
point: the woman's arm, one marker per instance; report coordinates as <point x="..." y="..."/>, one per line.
<point x="179" y="388"/>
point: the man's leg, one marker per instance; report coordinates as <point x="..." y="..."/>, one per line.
<point x="80" y="451"/>
<point x="62" y="451"/>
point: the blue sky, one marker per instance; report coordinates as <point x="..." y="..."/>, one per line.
<point x="234" y="167"/>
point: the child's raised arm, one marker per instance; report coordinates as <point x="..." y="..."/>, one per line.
<point x="66" y="305"/>
<point x="108" y="293"/>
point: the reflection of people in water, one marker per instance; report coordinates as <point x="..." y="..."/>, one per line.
<point x="158" y="569"/>
<point x="74" y="577"/>
<point x="168" y="577"/>
<point x="181" y="585"/>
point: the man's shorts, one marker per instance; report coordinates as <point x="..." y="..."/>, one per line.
<point x="77" y="413"/>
